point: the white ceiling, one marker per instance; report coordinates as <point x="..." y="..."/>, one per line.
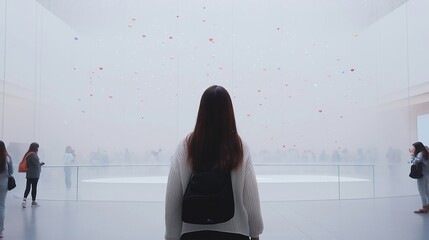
<point x="98" y="18"/>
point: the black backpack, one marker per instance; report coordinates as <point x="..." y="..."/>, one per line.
<point x="208" y="198"/>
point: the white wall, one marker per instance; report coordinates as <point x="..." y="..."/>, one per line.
<point x="128" y="76"/>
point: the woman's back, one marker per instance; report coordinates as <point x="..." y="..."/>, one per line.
<point x="247" y="219"/>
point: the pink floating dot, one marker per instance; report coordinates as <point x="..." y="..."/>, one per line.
<point x="101" y="68"/>
<point x="352" y="70"/>
<point x="211" y="39"/>
<point x="320" y="110"/>
<point x="110" y="97"/>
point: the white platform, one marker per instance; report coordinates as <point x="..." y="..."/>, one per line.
<point x="271" y="187"/>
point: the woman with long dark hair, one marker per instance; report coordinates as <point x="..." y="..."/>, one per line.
<point x="214" y="145"/>
<point x="420" y="155"/>
<point x="33" y="174"/>
<point x="6" y="169"/>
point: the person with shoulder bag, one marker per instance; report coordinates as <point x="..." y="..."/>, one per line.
<point x="420" y="156"/>
<point x="34" y="167"/>
<point x="212" y="191"/>
<point x="6" y="170"/>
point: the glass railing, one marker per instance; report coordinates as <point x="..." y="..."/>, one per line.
<point x="277" y="182"/>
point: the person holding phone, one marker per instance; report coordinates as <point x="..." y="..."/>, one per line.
<point x="33" y="174"/>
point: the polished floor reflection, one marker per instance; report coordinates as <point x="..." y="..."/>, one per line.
<point x="383" y="218"/>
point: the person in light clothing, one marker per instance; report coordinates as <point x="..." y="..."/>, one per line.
<point x="6" y="170"/>
<point x="419" y="154"/>
<point x="68" y="160"/>
<point x="216" y="143"/>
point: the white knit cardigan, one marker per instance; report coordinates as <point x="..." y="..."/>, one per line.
<point x="247" y="218"/>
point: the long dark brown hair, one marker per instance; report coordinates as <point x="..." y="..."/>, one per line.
<point x="421" y="148"/>
<point x="34" y="147"/>
<point x="3" y="156"/>
<point x="215" y="143"/>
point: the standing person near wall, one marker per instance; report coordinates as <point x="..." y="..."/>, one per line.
<point x="69" y="156"/>
<point x="215" y="145"/>
<point x="6" y="169"/>
<point x="33" y="174"/>
<point x="420" y="155"/>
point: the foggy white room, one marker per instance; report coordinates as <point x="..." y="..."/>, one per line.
<point x="328" y="95"/>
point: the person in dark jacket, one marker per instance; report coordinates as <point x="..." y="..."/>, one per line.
<point x="33" y="174"/>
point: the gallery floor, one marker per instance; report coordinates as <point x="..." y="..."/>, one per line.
<point x="379" y="218"/>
